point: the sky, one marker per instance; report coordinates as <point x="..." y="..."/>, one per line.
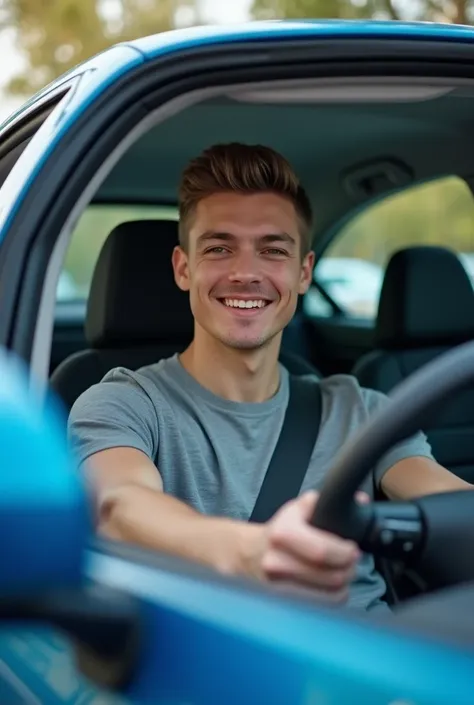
<point x="227" y="10"/>
<point x="220" y="11"/>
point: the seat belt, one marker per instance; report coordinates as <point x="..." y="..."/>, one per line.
<point x="290" y="459"/>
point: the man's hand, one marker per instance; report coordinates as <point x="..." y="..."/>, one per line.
<point x="292" y="552"/>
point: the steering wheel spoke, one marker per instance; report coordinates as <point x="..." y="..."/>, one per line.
<point x="395" y="530"/>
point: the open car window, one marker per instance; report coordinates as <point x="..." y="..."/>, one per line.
<point x="90" y="233"/>
<point x="351" y="271"/>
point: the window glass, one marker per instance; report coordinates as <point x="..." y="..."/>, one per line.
<point x="439" y="212"/>
<point x="91" y="231"/>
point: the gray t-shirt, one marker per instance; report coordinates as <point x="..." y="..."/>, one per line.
<point x="213" y="453"/>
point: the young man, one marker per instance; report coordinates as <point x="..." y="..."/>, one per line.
<point x="177" y="451"/>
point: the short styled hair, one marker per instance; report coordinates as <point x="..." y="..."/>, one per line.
<point x="245" y="169"/>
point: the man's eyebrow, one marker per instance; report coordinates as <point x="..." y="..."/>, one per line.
<point x="278" y="237"/>
<point x="213" y="235"/>
<point x="228" y="237"/>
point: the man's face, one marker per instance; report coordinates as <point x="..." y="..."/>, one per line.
<point x="243" y="268"/>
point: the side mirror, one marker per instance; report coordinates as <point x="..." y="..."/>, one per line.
<point x="44" y="515"/>
<point x="45" y="533"/>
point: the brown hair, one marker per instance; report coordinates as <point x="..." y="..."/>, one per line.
<point x="245" y="169"/>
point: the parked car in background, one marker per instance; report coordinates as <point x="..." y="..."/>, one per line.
<point x="467" y="258"/>
<point x="67" y="290"/>
<point x="353" y="284"/>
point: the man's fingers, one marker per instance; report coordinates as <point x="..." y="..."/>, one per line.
<point x="281" y="566"/>
<point x="307" y="503"/>
<point x="316" y="547"/>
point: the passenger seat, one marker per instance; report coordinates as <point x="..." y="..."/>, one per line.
<point x="426" y="307"/>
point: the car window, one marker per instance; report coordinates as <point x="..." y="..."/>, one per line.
<point x="89" y="235"/>
<point x="439" y="212"/>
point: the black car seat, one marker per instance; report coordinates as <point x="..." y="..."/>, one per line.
<point x="426" y="307"/>
<point x="136" y="314"/>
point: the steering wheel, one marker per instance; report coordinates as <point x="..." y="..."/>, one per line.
<point x="436" y="532"/>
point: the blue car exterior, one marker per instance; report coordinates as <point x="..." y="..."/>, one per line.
<point x="213" y="643"/>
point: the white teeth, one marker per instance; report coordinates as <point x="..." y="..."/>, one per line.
<point x="240" y="303"/>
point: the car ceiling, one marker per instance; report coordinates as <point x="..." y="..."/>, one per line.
<point x="323" y="142"/>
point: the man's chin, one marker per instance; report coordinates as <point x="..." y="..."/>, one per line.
<point x="245" y="343"/>
<point x="243" y="339"/>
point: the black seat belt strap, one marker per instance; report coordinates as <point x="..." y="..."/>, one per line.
<point x="290" y="460"/>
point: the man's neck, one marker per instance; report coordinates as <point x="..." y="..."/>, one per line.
<point x="236" y="375"/>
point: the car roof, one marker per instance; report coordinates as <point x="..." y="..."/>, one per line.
<point x="176" y="40"/>
<point x="181" y="39"/>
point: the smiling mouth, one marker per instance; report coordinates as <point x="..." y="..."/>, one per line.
<point x="244" y="304"/>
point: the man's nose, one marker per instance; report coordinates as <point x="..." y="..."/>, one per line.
<point x="245" y="268"/>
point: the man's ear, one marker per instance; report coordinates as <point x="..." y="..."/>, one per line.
<point x="306" y="277"/>
<point x="179" y="260"/>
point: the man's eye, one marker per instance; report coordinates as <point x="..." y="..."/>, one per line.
<point x="217" y="250"/>
<point x="275" y="251"/>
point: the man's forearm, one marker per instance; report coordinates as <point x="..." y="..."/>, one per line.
<point x="418" y="476"/>
<point x="156" y="521"/>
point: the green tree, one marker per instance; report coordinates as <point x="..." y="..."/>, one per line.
<point x="454" y="11"/>
<point x="302" y="9"/>
<point x="55" y="35"/>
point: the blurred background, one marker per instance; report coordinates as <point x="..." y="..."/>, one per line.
<point x="42" y="39"/>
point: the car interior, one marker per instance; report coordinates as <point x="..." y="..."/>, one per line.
<point x="386" y="150"/>
<point x="370" y="144"/>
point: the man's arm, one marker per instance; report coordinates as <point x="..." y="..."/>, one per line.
<point x="133" y="508"/>
<point x="418" y="476"/>
<point x="409" y="470"/>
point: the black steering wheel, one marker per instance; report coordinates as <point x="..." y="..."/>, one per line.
<point x="435" y="533"/>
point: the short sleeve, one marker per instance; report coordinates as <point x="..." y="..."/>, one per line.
<point x="414" y="446"/>
<point x="116" y="412"/>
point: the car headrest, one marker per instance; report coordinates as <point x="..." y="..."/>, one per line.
<point x="426" y="300"/>
<point x="134" y="299"/>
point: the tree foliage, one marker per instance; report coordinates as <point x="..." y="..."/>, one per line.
<point x="302" y="9"/>
<point x="55" y="35"/>
<point x="451" y="11"/>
